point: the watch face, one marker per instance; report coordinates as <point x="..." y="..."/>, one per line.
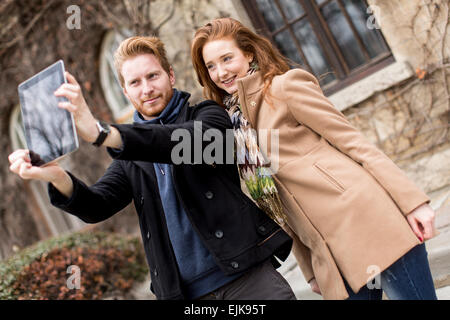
<point x="103" y="126"/>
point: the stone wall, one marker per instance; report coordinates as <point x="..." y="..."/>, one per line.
<point x="410" y="120"/>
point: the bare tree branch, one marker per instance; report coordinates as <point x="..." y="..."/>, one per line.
<point x="171" y="13"/>
<point x="30" y="25"/>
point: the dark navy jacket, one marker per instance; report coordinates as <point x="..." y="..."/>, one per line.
<point x="238" y="234"/>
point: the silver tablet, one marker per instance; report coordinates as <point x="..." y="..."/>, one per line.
<point x="49" y="131"/>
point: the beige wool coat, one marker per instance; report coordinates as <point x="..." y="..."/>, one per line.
<point x="346" y="201"/>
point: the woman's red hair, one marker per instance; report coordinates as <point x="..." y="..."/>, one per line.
<point x="270" y="61"/>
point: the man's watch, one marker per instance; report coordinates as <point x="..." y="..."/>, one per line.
<point x="103" y="130"/>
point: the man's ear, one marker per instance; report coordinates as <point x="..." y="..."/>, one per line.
<point x="172" y="76"/>
<point x="125" y="93"/>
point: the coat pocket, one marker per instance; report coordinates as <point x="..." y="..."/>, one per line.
<point x="329" y="177"/>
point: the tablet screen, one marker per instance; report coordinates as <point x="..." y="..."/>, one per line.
<point x="49" y="131"/>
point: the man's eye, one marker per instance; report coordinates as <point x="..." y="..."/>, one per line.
<point x="226" y="58"/>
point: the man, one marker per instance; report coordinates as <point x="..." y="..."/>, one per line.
<point x="202" y="236"/>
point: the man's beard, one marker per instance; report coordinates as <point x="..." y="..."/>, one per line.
<point x="139" y="106"/>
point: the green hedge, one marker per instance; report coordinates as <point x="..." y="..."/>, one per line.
<point x="107" y="262"/>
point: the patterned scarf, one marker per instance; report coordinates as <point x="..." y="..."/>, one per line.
<point x="253" y="168"/>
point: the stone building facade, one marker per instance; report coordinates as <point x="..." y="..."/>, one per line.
<point x="400" y="102"/>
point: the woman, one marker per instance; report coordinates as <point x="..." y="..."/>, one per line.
<point x="352" y="212"/>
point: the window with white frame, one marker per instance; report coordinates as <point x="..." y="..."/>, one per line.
<point x="118" y="103"/>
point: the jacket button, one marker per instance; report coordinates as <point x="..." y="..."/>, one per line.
<point x="155" y="273"/>
<point x="142" y="200"/>
<point x="262" y="229"/>
<point x="234" y="265"/>
<point x="219" y="234"/>
<point x="209" y="195"/>
<point x="148" y="235"/>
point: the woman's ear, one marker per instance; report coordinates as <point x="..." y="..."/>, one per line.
<point x="249" y="57"/>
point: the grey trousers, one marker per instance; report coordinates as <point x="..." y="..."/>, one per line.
<point x="262" y="282"/>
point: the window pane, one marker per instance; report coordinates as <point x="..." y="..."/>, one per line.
<point x="115" y="84"/>
<point x="343" y="34"/>
<point x="372" y="39"/>
<point x="109" y="79"/>
<point x="319" y="2"/>
<point x="114" y="77"/>
<point x="292" y="9"/>
<point x="287" y="47"/>
<point x="313" y="51"/>
<point x="19" y="131"/>
<point x="271" y="14"/>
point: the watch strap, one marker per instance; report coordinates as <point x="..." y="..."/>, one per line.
<point x="103" y="131"/>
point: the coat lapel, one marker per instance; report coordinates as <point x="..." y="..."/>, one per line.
<point x="250" y="96"/>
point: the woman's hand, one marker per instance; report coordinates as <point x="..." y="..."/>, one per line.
<point x="421" y="221"/>
<point x="314" y="286"/>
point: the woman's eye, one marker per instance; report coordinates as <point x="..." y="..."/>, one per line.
<point x="210" y="66"/>
<point x="226" y="58"/>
